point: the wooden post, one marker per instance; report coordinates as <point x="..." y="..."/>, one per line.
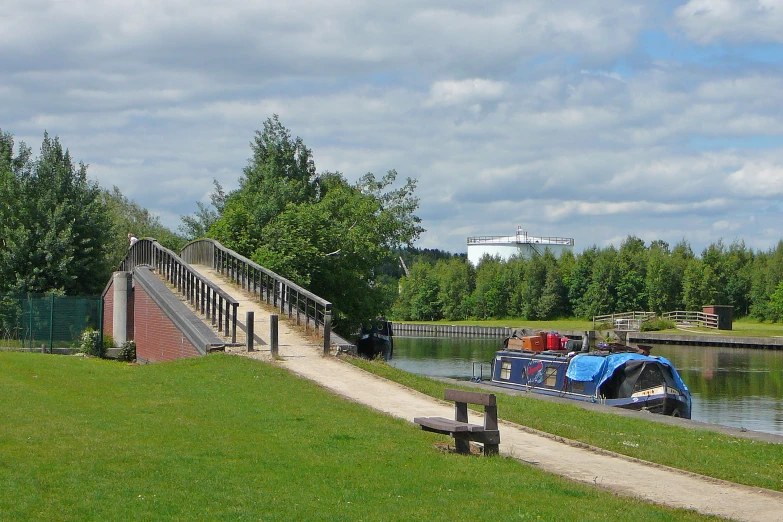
<point x="273" y="334"/>
<point x="249" y="330"/>
<point x="327" y="331"/>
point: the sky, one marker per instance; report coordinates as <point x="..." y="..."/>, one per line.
<point x="588" y="119"/>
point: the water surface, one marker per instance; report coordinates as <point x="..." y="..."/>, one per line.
<point x="739" y="387"/>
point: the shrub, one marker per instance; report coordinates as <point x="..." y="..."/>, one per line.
<point x="127" y="352"/>
<point x="656" y="325"/>
<point x="89" y="343"/>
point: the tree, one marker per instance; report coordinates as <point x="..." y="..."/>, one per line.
<point x="56" y="228"/>
<point x="601" y="295"/>
<point x="280" y="172"/>
<point x="552" y="303"/>
<point x="632" y="272"/>
<point x="456" y="280"/>
<point x="661" y="281"/>
<point x="127" y="216"/>
<point x="197" y="225"/>
<point x="319" y="230"/>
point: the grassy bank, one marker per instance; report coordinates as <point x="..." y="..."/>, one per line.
<point x="227" y="438"/>
<point x="700" y="451"/>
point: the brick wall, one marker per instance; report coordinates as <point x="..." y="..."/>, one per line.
<point x="157" y="339"/>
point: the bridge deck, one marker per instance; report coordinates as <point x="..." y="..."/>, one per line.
<point x="620" y="474"/>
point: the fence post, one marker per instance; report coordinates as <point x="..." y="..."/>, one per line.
<point x="30" y="301"/>
<point x="51" y="323"/>
<point x="327" y="331"/>
<point x="273" y="334"/>
<point x="250" y="325"/>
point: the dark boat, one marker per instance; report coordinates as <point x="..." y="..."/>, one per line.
<point x="615" y="375"/>
<point x="376" y="340"/>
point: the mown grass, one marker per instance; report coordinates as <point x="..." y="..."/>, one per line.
<point x="700" y="451"/>
<point x="228" y="438"/>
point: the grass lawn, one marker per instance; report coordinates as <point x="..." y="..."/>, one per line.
<point x="228" y="438"/>
<point x="740" y="328"/>
<point x="700" y="451"/>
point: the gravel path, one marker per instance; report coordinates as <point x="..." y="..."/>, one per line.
<point x="620" y="474"/>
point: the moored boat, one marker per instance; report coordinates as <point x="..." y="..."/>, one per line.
<point x="376" y="340"/>
<point x="615" y="375"/>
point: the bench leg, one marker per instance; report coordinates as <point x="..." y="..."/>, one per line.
<point x="462" y="445"/>
<point x="491" y="449"/>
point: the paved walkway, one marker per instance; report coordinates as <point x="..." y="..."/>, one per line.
<point x="619" y="474"/>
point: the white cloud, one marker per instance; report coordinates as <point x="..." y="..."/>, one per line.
<point x="507" y="113"/>
<point x="711" y="21"/>
<point x="462" y="92"/>
<point x="764" y="180"/>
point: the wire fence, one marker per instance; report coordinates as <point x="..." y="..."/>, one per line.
<point x="47" y="322"/>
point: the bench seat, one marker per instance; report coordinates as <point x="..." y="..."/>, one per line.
<point x="446" y="426"/>
<point x="460" y="429"/>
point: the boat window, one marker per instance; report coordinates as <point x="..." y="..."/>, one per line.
<point x="505" y="370"/>
<point x="550" y="377"/>
<point x="650" y="377"/>
<point x="577" y="386"/>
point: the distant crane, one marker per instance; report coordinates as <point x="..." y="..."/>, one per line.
<point x="404" y="267"/>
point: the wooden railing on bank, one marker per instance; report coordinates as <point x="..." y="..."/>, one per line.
<point x="627" y="321"/>
<point x="632" y="321"/>
<point x="692" y="318"/>
<point x="277" y="291"/>
<point x="206" y="297"/>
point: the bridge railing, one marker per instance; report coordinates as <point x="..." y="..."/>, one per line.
<point x="290" y="298"/>
<point x="207" y="298"/>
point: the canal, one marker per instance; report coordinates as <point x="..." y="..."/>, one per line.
<point x="739" y="387"/>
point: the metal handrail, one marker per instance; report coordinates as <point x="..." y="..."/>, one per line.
<point x="540" y="240"/>
<point x="288" y="297"/>
<point x="205" y="296"/>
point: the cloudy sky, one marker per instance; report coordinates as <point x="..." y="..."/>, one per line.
<point x="591" y="119"/>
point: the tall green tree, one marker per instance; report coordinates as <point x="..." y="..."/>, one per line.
<point x="57" y="238"/>
<point x="319" y="230"/>
<point x="661" y="280"/>
<point x="456" y="280"/>
<point x="127" y="216"/>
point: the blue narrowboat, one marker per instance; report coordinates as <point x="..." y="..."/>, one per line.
<point x="616" y="376"/>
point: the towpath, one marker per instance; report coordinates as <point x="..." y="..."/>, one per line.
<point x="617" y="473"/>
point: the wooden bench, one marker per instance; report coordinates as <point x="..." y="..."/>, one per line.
<point x="459" y="428"/>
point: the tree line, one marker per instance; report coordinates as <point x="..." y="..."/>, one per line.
<point x="59" y="231"/>
<point x="634" y="277"/>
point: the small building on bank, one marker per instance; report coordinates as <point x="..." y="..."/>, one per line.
<point x="521" y="244"/>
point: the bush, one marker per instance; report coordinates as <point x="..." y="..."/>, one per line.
<point x="127" y="352"/>
<point x="656" y="325"/>
<point x="89" y="343"/>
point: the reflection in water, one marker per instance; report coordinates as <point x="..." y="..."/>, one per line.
<point x="740" y="387"/>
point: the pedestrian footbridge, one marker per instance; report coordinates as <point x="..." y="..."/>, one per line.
<point x="209" y="298"/>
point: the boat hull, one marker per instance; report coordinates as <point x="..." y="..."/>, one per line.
<point x="645" y="385"/>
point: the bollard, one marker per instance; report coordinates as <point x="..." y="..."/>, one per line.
<point x="249" y="323"/>
<point x="273" y="334"/>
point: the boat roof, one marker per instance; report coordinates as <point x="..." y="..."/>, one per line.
<point x="599" y="368"/>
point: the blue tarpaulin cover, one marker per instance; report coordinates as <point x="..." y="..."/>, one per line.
<point x="598" y="368"/>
